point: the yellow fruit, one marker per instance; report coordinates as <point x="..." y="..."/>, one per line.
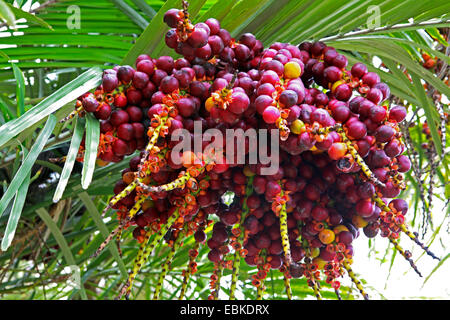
<point x="320" y="263"/>
<point x="292" y="70"/>
<point x="101" y="163"/>
<point x="326" y="236"/>
<point x="297" y="127"/>
<point x="315" y="252"/>
<point x="340" y="228"/>
<point x="209" y="104"/>
<point x="359" y="222"/>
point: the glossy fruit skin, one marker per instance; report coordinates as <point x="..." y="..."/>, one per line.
<point x="271" y="114"/>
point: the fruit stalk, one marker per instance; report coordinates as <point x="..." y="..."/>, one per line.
<point x="167" y="264"/>
<point x="405" y="254"/>
<point x="145" y="251"/>
<point x="355" y="280"/>
<point x="237" y="255"/>
<point x="187" y="273"/>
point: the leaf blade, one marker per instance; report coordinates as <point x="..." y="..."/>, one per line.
<point x="86" y="81"/>
<point x="90" y="154"/>
<point x="70" y="158"/>
<point x="27" y="164"/>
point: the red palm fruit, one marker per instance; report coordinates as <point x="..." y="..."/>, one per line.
<point x="271" y="114"/>
<point x="384" y="88"/>
<point x="125" y="74"/>
<point x="371" y="79"/>
<point x="103" y="112"/>
<point x="364" y="208"/>
<point x="138" y="130"/>
<point x="404" y="164"/>
<point x="214" y="25"/>
<point x="242" y="52"/>
<point x="171" y="38"/>
<point x="105" y="126"/>
<point x="329" y="55"/>
<point x="239" y="102"/>
<point x="109" y="82"/>
<point x="345" y="237"/>
<point x="359" y="70"/>
<point x="393" y="148"/>
<point x="340" y="61"/>
<point x="341" y="113"/>
<point x="357" y="130"/>
<point x="214" y="255"/>
<point x="165" y="63"/>
<point x="90" y="104"/>
<point x="262" y="241"/>
<point x="125" y="131"/>
<point x="377" y="114"/>
<point x="288" y="98"/>
<point x="366" y="190"/>
<point x="140" y="80"/>
<point x="390" y="190"/>
<point x="169" y="84"/>
<point x="134" y="97"/>
<point x="204" y="52"/>
<point x="135" y="113"/>
<point x="119" y="117"/>
<point x="312" y="192"/>
<point x="120" y="100"/>
<point x="120" y="147"/>
<point x="319" y="213"/>
<point x="384" y="133"/>
<point x="171" y="17"/>
<point x="397" y="113"/>
<point x="343" y="92"/>
<point x="199" y="37"/>
<point x="337" y="150"/>
<point x="200" y="236"/>
<point x="400" y="205"/>
<point x="275" y="261"/>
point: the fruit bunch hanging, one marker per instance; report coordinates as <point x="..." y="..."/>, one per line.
<point x="339" y="169"/>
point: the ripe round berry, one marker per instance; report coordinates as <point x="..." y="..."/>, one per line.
<point x="337" y="150"/>
<point x="384" y="133"/>
<point x="359" y="70"/>
<point x="120" y="147"/>
<point x="292" y="70"/>
<point x="103" y="112"/>
<point x="364" y="208"/>
<point x="357" y="130"/>
<point x="125" y="74"/>
<point x="371" y="79"/>
<point x="198" y="38"/>
<point x="171" y="17"/>
<point x="397" y="113"/>
<point x="109" y="82"/>
<point x="118" y="117"/>
<point x="214" y="25"/>
<point x="326" y="236"/>
<point x="343" y="92"/>
<point x="165" y="63"/>
<point x="239" y="102"/>
<point x="125" y="131"/>
<point x="271" y="114"/>
<point x="169" y="84"/>
<point x="146" y="66"/>
<point x="186" y="107"/>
